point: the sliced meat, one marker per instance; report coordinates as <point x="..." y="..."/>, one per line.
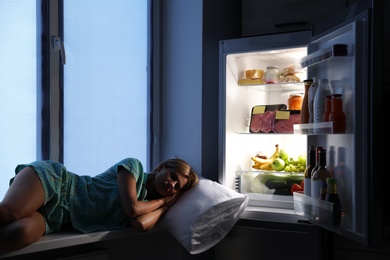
<point x="256" y="123"/>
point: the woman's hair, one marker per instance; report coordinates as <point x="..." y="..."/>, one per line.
<point x="180" y="166"/>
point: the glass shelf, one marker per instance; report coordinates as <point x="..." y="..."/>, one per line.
<point x="284" y="86"/>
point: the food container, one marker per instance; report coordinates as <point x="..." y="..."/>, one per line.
<point x="272" y="75"/>
<point x="267" y="182"/>
<point x="295" y="101"/>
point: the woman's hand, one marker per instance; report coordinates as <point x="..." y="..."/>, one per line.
<point x="170" y="200"/>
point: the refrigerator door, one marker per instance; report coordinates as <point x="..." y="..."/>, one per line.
<point x="341" y="56"/>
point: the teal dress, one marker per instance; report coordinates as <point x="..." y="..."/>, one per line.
<point x="86" y="203"/>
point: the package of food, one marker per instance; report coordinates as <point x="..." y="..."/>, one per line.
<point x="285" y="120"/>
<point x="263" y="117"/>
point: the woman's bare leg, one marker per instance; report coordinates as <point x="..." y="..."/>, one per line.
<point x="22" y="232"/>
<point x="20" y="223"/>
<point x="24" y="197"/>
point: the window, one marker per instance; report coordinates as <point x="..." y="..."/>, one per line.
<point x="102" y="91"/>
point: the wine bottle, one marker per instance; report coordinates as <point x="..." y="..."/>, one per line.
<point x="333" y="197"/>
<point x="319" y="186"/>
<point x="315" y="168"/>
<point x="310" y="163"/>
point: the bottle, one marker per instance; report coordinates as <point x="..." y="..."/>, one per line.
<point x="305" y="107"/>
<point x="344" y="185"/>
<point x="328" y="108"/>
<point x="337" y="115"/>
<point x="319" y="103"/>
<point x="317" y="161"/>
<point x="272" y="74"/>
<point x="318" y="184"/>
<point x="333" y="197"/>
<point x="310" y="98"/>
<point x="310" y="163"/>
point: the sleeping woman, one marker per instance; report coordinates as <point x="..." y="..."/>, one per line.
<point x="44" y="197"/>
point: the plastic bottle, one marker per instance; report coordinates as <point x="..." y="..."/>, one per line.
<point x="333" y="197"/>
<point x="337" y="115"/>
<point x="328" y="108"/>
<point x="319" y="103"/>
<point x="305" y="106"/>
<point x="310" y="97"/>
<point x="319" y="186"/>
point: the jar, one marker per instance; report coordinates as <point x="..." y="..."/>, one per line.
<point x="295" y="101"/>
<point x="272" y="74"/>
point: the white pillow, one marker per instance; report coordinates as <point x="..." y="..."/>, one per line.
<point x="204" y="215"/>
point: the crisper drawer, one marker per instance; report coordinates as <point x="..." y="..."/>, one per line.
<point x="268" y="189"/>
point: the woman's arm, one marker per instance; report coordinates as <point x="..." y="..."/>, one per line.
<point x="147" y="221"/>
<point x="128" y="193"/>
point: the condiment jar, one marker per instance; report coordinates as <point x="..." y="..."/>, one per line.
<point x="272" y="75"/>
<point x="295" y="101"/>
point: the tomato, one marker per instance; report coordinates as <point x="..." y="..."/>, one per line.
<point x="295" y="187"/>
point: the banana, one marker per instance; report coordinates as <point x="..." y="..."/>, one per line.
<point x="256" y="166"/>
<point x="266" y="167"/>
<point x="276" y="153"/>
<point x="260" y="161"/>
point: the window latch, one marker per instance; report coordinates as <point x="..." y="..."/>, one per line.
<point x="58" y="45"/>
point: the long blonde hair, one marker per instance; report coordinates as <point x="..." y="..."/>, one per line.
<point x="180" y="166"/>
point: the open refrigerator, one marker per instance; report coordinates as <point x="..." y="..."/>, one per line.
<point x="352" y="72"/>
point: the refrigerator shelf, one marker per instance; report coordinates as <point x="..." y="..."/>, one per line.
<point x="313" y="128"/>
<point x="283" y="86"/>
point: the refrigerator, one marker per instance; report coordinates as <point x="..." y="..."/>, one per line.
<point x="355" y="72"/>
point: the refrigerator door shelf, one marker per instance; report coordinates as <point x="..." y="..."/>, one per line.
<point x="320" y="212"/>
<point x="333" y="53"/>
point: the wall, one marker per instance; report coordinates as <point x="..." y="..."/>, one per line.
<point x="191" y="31"/>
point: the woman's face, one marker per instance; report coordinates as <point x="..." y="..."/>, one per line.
<point x="168" y="182"/>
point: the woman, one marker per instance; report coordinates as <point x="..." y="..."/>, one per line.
<point x="44" y="198"/>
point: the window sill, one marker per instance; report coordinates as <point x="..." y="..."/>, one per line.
<point x="74" y="238"/>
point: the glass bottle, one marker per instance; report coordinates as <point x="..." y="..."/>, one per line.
<point x="333" y="197"/>
<point x="319" y="103"/>
<point x="310" y="98"/>
<point x="310" y="163"/>
<point x="317" y="165"/>
<point x="319" y="186"/>
<point x="305" y="107"/>
<point x="328" y="108"/>
<point x="272" y="74"/>
<point x="337" y="115"/>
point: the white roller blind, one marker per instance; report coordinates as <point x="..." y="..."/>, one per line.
<point x="105" y="83"/>
<point x="18" y="91"/>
